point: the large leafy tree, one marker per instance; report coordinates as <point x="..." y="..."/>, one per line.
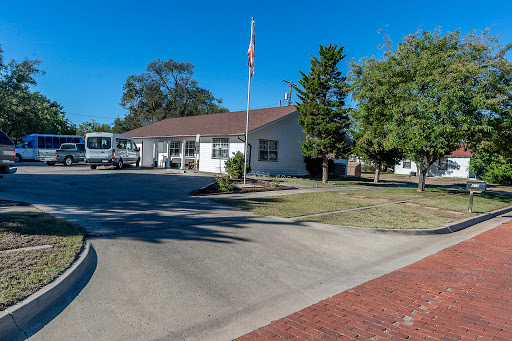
<point x="322" y="109"/>
<point x="23" y="111"/>
<point x="439" y="91"/>
<point x="165" y="90"/>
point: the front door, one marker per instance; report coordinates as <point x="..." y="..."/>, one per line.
<point x="28" y="151"/>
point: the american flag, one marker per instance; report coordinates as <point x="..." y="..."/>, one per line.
<point x="250" y="52"/>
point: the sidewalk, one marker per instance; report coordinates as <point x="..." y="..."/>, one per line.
<point x="460" y="293"/>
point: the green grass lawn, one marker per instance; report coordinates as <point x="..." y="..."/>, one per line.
<point x="310" y="203"/>
<point x="447" y="205"/>
<point x="399" y="216"/>
<point x="24" y="272"/>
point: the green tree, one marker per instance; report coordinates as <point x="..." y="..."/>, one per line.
<point x="439" y="91"/>
<point x="93" y="126"/>
<point x="23" y="111"/>
<point x="165" y="90"/>
<point x="371" y="116"/>
<point x="370" y="147"/>
<point x="322" y="109"/>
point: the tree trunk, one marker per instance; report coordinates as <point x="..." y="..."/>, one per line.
<point x="422" y="174"/>
<point x="377" y="173"/>
<point x="325" y="170"/>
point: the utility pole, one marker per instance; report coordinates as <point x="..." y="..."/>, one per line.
<point x="290" y="93"/>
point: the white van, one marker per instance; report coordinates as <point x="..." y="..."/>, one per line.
<point x="108" y="149"/>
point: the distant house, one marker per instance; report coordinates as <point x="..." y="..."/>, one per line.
<point x="453" y="165"/>
<point x="209" y="140"/>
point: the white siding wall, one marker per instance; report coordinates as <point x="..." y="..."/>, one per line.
<point x="290" y="160"/>
<point x="146" y="151"/>
<point x="206" y="163"/>
<point x="457" y="167"/>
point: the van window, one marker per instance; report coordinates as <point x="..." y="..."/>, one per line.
<point x="98" y="142"/>
<point x="40" y="142"/>
<point x="76" y="140"/>
<point x="62" y="140"/>
<point x="122" y="144"/>
<point x="80" y="147"/>
<point x="49" y="142"/>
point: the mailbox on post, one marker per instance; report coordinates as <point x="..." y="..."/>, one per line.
<point x="474" y="187"/>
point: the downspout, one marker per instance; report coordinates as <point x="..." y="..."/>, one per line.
<point x="250" y="149"/>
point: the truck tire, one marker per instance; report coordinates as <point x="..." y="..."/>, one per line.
<point x="68" y="161"/>
<point x="119" y="164"/>
<point x="18" y="158"/>
<point x="93" y="167"/>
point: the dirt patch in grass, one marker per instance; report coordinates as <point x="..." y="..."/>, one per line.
<point x="24" y="272"/>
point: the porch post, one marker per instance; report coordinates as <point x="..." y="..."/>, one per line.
<point x="183" y="146"/>
<point x="168" y="160"/>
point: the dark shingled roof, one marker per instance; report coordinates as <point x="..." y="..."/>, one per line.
<point x="228" y="123"/>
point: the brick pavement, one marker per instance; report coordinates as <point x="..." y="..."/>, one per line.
<point x="460" y="293"/>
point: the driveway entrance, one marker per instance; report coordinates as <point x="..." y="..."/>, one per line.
<point x="172" y="267"/>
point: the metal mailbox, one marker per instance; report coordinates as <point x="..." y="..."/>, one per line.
<point x="476" y="186"/>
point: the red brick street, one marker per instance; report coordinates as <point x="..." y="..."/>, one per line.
<point x="460" y="293"/>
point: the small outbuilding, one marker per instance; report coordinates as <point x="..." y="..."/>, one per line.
<point x="453" y="165"/>
<point x="207" y="141"/>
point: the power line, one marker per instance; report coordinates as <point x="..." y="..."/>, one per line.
<point x="67" y="113"/>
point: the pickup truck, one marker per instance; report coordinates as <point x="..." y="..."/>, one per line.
<point x="68" y="154"/>
<point x="6" y="155"/>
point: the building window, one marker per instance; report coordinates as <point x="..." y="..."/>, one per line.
<point x="443" y="164"/>
<point x="220" y="149"/>
<point x="268" y="150"/>
<point x="174" y="148"/>
<point x="407" y="164"/>
<point x="190" y="149"/>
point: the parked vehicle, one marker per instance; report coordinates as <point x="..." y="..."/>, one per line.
<point x="68" y="154"/>
<point x="36" y="146"/>
<point x="6" y="155"/>
<point x="108" y="149"/>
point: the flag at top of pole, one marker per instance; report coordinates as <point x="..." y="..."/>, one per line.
<point x="250" y="52"/>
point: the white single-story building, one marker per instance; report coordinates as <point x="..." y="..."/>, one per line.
<point x="454" y="165"/>
<point x="274" y="141"/>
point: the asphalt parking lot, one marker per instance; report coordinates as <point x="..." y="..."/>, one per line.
<point x="172" y="267"/>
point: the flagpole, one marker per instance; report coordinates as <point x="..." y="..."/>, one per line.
<point x="247" y="126"/>
<point x="250" y="54"/>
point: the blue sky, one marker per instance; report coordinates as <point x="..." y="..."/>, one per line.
<point x="88" y="49"/>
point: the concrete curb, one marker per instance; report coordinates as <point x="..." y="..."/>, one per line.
<point x="448" y="228"/>
<point x="14" y="320"/>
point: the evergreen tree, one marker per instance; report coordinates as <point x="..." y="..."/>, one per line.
<point x="322" y="109"/>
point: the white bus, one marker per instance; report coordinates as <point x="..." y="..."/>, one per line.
<point x="31" y="144"/>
